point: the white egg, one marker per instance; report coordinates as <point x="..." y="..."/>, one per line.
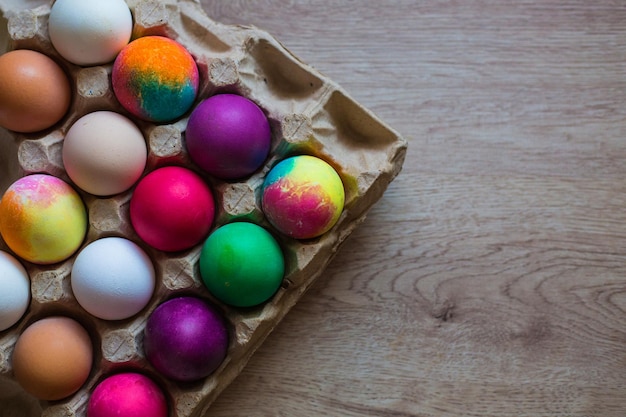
<point x="104" y="153"/>
<point x="113" y="278"/>
<point x="90" y="32"/>
<point x="14" y="290"/>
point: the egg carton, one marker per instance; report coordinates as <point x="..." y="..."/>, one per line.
<point x="308" y="114"/>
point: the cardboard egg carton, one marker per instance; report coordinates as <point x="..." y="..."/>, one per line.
<point x="308" y="113"/>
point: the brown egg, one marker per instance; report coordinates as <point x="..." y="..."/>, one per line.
<point x="53" y="358"/>
<point x="35" y="92"/>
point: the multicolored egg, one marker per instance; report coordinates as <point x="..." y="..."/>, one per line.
<point x="42" y="219"/>
<point x="303" y="197"/>
<point x="155" y="78"/>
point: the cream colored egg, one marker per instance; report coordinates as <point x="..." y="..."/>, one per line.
<point x="104" y="153"/>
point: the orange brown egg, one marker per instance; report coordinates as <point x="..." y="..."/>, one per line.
<point x="35" y="92"/>
<point x="53" y="358"/>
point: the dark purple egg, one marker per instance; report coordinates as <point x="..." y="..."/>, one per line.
<point x="185" y="339"/>
<point x="228" y="136"/>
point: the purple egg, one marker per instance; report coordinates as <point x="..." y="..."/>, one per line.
<point x="185" y="339"/>
<point x="228" y="136"/>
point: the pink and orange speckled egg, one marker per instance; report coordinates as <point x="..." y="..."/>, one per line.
<point x="42" y="219"/>
<point x="155" y="78"/>
<point x="303" y="197"/>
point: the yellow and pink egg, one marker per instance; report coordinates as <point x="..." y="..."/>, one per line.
<point x="303" y="197"/>
<point x="42" y="219"/>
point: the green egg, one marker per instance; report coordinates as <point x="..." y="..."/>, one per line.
<point x="242" y="264"/>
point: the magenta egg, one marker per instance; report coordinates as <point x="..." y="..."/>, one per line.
<point x="185" y="339"/>
<point x="172" y="209"/>
<point x="127" y="395"/>
<point x="228" y="136"/>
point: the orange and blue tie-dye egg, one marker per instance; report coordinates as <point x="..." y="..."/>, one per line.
<point x="303" y="197"/>
<point x="155" y="78"/>
<point x="42" y="219"/>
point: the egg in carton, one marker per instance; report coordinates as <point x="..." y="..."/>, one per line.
<point x="308" y="115"/>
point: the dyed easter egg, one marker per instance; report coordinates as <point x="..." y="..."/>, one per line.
<point x="172" y="209"/>
<point x="228" y="136"/>
<point x="303" y="197"/>
<point x="42" y="219"/>
<point x="14" y="290"/>
<point x="127" y="395"/>
<point x="35" y="92"/>
<point x="242" y="264"/>
<point x="185" y="339"/>
<point x="104" y="153"/>
<point x="52" y="358"/>
<point x="112" y="278"/>
<point x="155" y="79"/>
<point x="89" y="32"/>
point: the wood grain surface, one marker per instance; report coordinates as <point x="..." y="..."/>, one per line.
<point x="491" y="278"/>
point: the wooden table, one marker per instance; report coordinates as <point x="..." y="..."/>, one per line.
<point x="490" y="280"/>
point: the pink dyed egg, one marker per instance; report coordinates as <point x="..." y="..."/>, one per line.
<point x="172" y="209"/>
<point x="127" y="395"/>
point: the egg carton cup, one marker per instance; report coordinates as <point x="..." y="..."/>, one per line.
<point x="308" y="114"/>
